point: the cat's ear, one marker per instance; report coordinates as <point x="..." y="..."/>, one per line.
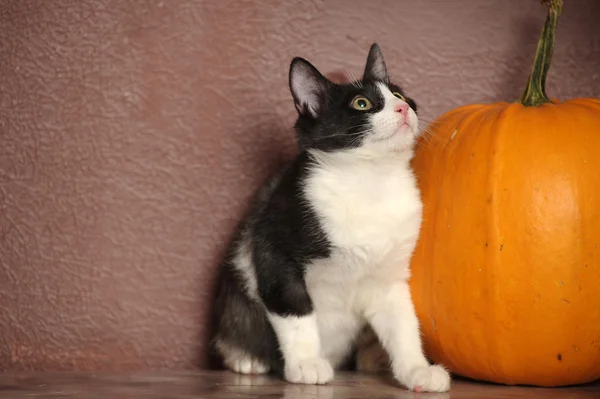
<point x="308" y="87"/>
<point x="375" y="68"/>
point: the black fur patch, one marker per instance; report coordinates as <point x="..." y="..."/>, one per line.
<point x="285" y="235"/>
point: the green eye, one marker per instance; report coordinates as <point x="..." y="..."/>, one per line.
<point x="361" y="103"/>
<point x="400" y="96"/>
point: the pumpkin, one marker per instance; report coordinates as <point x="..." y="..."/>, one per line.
<point x="506" y="273"/>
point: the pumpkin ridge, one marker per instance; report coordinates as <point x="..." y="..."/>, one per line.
<point x="499" y="362"/>
<point x="493" y="235"/>
<point x="467" y="123"/>
<point x="594" y="107"/>
<point x="424" y="295"/>
<point x="495" y="130"/>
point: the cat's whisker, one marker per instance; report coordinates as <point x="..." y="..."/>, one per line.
<point x="430" y="133"/>
<point x="430" y="130"/>
<point x="353" y="134"/>
<point x="355" y="142"/>
<point x="428" y="122"/>
<point x="353" y="81"/>
<point x="432" y="125"/>
<point x="430" y="136"/>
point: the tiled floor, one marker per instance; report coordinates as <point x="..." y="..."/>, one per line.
<point x="213" y="385"/>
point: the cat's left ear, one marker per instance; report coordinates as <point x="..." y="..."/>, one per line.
<point x="308" y="86"/>
<point x="375" y="68"/>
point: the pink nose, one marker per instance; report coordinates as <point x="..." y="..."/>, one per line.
<point x="403" y="109"/>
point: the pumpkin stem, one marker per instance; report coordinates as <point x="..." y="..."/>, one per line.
<point x="535" y="92"/>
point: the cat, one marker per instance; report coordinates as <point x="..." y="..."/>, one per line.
<point x="324" y="250"/>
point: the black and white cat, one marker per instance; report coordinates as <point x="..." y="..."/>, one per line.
<point x="325" y="248"/>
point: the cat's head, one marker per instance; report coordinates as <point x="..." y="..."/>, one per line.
<point x="371" y="113"/>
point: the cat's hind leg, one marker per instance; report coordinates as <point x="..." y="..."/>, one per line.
<point x="240" y="361"/>
<point x="244" y="339"/>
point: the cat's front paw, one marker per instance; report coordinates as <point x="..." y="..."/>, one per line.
<point x="309" y="371"/>
<point x="427" y="379"/>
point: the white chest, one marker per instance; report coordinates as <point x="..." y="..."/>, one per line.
<point x="367" y="208"/>
<point x="371" y="213"/>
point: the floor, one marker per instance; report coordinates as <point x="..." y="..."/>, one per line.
<point x="207" y="385"/>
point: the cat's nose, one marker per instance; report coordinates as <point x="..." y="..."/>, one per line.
<point x="403" y="109"/>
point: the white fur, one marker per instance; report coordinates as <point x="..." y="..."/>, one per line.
<point x="243" y="263"/>
<point x="301" y="347"/>
<point x="241" y="362"/>
<point x="370" y="208"/>
<point x="388" y="134"/>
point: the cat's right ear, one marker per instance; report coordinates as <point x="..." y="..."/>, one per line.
<point x="308" y="88"/>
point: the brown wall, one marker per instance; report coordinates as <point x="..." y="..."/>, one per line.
<point x="132" y="133"/>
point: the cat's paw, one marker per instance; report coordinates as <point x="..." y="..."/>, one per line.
<point x="427" y="379"/>
<point x="245" y="364"/>
<point x="309" y="371"/>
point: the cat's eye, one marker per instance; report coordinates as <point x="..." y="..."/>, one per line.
<point x="400" y="96"/>
<point x="361" y="103"/>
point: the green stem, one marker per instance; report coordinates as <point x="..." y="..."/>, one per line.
<point x="535" y="92"/>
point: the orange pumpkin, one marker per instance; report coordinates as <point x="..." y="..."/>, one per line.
<point x="506" y="275"/>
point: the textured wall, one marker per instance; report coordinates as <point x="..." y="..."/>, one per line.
<point x="132" y="133"/>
